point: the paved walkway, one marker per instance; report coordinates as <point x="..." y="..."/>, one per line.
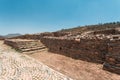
<point x="17" y="66"/>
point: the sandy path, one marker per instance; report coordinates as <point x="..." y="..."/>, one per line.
<point x="17" y="66"/>
<point x="77" y="69"/>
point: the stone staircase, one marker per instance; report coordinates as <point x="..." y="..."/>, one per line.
<point x="26" y="46"/>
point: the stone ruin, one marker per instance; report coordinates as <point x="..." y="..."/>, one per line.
<point x="93" y="46"/>
<point x="25" y="46"/>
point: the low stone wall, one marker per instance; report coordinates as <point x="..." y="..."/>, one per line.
<point x="90" y="50"/>
<point x="112" y="61"/>
<point x="11" y="43"/>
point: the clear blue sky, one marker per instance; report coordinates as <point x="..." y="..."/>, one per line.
<point x="32" y="16"/>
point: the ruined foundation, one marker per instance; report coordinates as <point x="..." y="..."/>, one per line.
<point x="98" y="46"/>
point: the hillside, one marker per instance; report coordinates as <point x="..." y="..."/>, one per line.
<point x="81" y="29"/>
<point x="12" y="35"/>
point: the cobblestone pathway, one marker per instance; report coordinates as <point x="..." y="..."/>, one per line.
<point x="17" y="66"/>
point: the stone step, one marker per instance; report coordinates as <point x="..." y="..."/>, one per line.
<point x="33" y="49"/>
<point x="29" y="44"/>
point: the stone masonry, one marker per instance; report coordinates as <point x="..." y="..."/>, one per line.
<point x="89" y="50"/>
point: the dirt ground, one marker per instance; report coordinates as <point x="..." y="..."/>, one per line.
<point x="19" y="66"/>
<point x="76" y="69"/>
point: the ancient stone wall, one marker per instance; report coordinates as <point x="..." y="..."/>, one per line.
<point x="112" y="61"/>
<point x="85" y="49"/>
<point x="11" y="43"/>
